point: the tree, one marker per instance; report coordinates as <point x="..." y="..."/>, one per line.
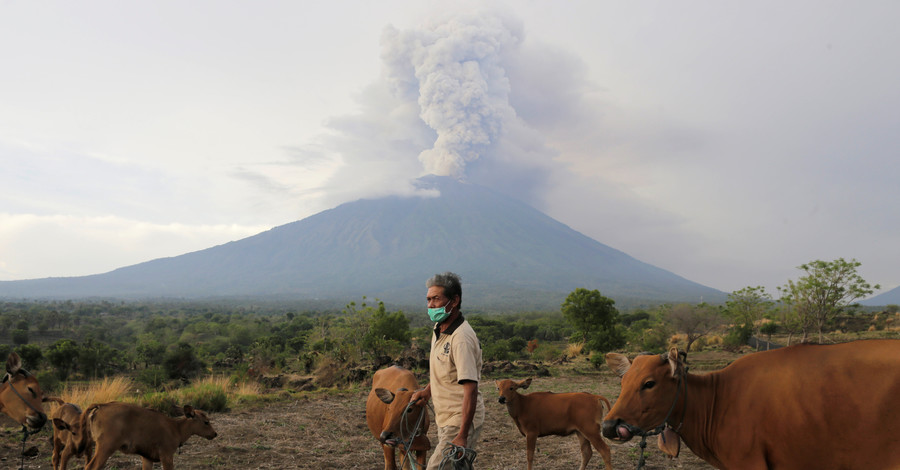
<point x="695" y="321"/>
<point x="31" y="355"/>
<point x="150" y="352"/>
<point x="63" y="356"/>
<point x="182" y="362"/>
<point x="594" y="318"/>
<point x="827" y="289"/>
<point x="748" y="306"/>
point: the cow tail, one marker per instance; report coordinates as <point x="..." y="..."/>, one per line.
<point x="603" y="411"/>
<point x="86" y="415"/>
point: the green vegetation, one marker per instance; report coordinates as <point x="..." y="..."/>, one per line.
<point x="167" y="353"/>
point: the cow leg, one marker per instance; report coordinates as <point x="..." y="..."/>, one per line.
<point x="100" y="457"/>
<point x="585" y="450"/>
<point x="62" y="459"/>
<point x="389" y="462"/>
<point x="147" y="464"/>
<point x="57" y="448"/>
<point x="599" y="444"/>
<point x="530" y="442"/>
<point x="167" y="461"/>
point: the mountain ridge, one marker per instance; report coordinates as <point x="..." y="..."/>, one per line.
<point x="509" y="255"/>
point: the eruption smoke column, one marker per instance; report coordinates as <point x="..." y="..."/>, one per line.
<point x="456" y="70"/>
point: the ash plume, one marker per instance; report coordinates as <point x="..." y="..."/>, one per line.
<point x="455" y="70"/>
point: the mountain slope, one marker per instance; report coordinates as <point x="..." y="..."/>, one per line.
<point x="509" y="255"/>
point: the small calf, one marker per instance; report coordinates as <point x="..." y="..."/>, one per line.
<point x="556" y="414"/>
<point x="136" y="430"/>
<point x="66" y="422"/>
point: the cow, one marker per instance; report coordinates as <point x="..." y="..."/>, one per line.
<point x="805" y="406"/>
<point x="541" y="414"/>
<point x="21" y="396"/>
<point x="136" y="430"/>
<point x="66" y="421"/>
<point x="392" y="387"/>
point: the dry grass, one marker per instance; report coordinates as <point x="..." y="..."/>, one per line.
<point x="103" y="391"/>
<point x="574" y="349"/>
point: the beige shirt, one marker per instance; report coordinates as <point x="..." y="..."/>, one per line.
<point x="455" y="356"/>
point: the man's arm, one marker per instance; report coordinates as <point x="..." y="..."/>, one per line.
<point x="470" y="399"/>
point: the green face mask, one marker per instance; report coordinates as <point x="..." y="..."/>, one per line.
<point x="438" y="314"/>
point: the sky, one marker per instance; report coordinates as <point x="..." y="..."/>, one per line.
<point x="727" y="142"/>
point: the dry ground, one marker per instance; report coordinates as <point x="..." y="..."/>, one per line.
<point x="328" y="431"/>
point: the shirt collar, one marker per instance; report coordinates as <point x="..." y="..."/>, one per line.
<point x="453" y="326"/>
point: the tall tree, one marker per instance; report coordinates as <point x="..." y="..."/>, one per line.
<point x="695" y="321"/>
<point x="594" y="317"/>
<point x="828" y="288"/>
<point x="748" y="306"/>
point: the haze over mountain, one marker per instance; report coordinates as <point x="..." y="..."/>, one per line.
<point x="885" y="298"/>
<point x="510" y="256"/>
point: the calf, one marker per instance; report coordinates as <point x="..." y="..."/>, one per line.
<point x="541" y="414"/>
<point x="136" y="430"/>
<point x="21" y="395"/>
<point x="392" y="388"/>
<point x="66" y="422"/>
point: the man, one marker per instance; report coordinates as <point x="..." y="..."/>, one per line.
<point x="454" y="371"/>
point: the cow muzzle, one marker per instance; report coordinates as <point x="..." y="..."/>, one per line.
<point x="387" y="438"/>
<point x="502" y="400"/>
<point x="36" y="421"/>
<point x="616" y="430"/>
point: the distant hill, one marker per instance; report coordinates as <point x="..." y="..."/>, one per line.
<point x="510" y="257"/>
<point x="891" y="297"/>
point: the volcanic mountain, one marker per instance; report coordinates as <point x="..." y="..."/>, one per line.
<point x="510" y="257"/>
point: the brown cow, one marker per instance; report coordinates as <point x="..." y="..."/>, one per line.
<point x="805" y="406"/>
<point x="21" y="396"/>
<point x="541" y="414"/>
<point x="392" y="388"/>
<point x="66" y="422"/>
<point x="136" y="430"/>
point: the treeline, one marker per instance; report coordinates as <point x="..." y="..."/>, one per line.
<point x="161" y="344"/>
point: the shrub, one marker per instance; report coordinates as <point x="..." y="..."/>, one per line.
<point x="48" y="380"/>
<point x="153" y="377"/>
<point x="206" y="396"/>
<point x="159" y="401"/>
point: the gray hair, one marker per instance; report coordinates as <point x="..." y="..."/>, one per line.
<point x="450" y="282"/>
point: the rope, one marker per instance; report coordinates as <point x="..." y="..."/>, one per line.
<point x="658" y="429"/>
<point x="459" y="458"/>
<point x="412" y="432"/>
<point x="25" y="431"/>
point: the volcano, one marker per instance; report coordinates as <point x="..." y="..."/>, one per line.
<point x="510" y="257"/>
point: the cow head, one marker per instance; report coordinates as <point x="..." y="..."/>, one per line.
<point x="507" y="389"/>
<point x="396" y="425"/>
<point x="649" y="390"/>
<point x="199" y="423"/>
<point x="21" y="396"/>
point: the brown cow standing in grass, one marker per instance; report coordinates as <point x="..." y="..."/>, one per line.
<point x="66" y="422"/>
<point x="392" y="388"/>
<point x="802" y="407"/>
<point x="136" y="430"/>
<point x="541" y="414"/>
<point x="21" y="396"/>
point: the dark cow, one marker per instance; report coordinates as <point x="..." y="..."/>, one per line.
<point x="802" y="407"/>
<point x="392" y="388"/>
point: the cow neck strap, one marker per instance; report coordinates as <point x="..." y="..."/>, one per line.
<point x="658" y="429"/>
<point x="9" y="379"/>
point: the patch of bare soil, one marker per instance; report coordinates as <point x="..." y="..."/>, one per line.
<point x="330" y="432"/>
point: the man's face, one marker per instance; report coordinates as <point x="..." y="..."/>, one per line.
<point x="435" y="298"/>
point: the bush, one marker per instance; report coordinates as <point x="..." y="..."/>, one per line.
<point x="205" y="396"/>
<point x="152" y="377"/>
<point x="48" y="380"/>
<point x="737" y="337"/>
<point x="159" y="401"/>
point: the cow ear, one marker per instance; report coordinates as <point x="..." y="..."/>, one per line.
<point x="13" y="363"/>
<point x="525" y="383"/>
<point x="61" y="425"/>
<point x="384" y="395"/>
<point x="675" y="363"/>
<point x="618" y="363"/>
<point x="188" y="411"/>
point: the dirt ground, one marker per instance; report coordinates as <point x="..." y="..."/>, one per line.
<point x="328" y="431"/>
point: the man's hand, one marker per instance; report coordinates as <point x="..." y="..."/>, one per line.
<point x="423" y="393"/>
